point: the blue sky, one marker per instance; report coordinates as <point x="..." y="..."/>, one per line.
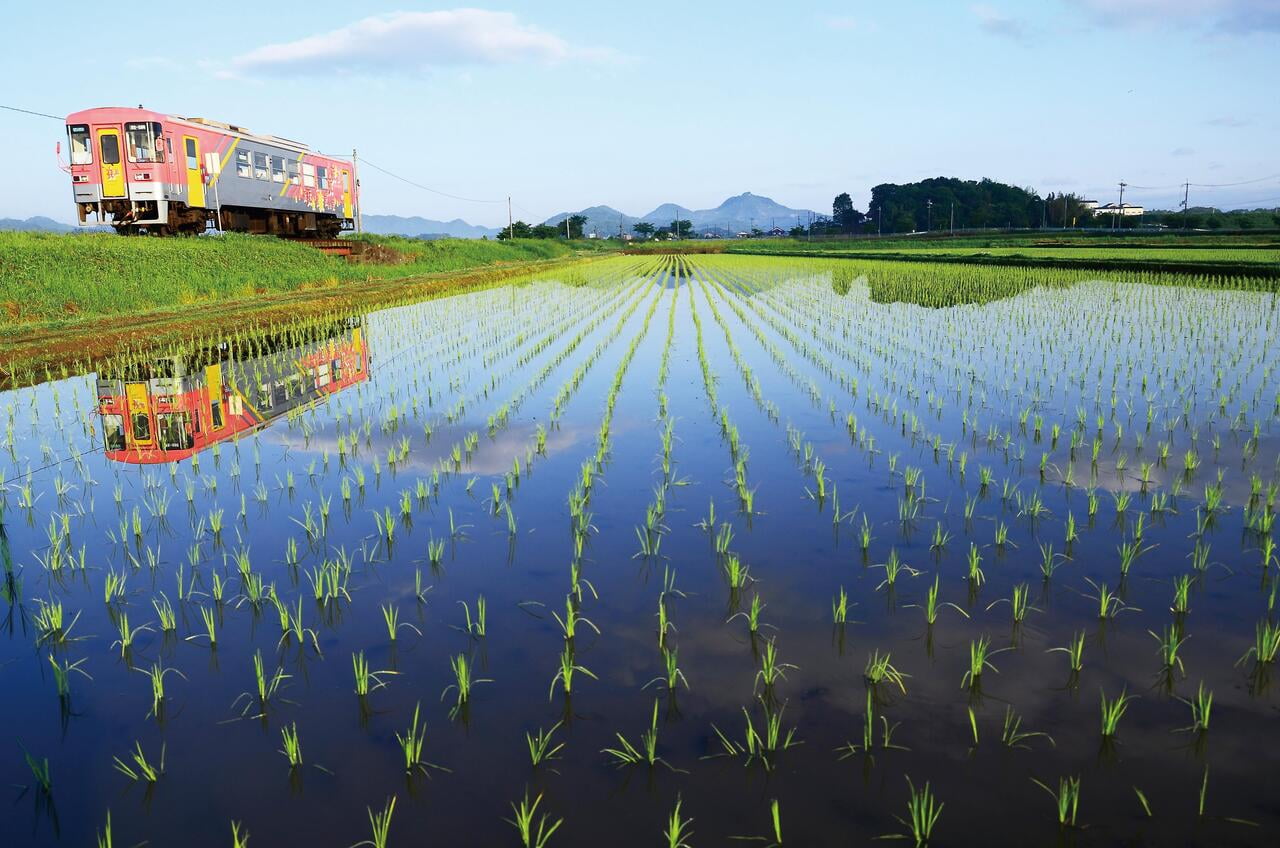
<point x="569" y="104"/>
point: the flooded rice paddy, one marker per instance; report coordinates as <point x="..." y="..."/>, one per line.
<point x="659" y="551"/>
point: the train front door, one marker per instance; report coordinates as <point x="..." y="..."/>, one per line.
<point x="195" y="177"/>
<point x="111" y="162"/>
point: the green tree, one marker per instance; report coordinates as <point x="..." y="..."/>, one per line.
<point x="682" y="228"/>
<point x="844" y="217"/>
<point x="519" y="229"/>
<point x="643" y="229"/>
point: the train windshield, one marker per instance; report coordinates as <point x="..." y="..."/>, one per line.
<point x="81" y="149"/>
<point x="113" y="432"/>
<point x="174" y="433"/>
<point x="141" y="142"/>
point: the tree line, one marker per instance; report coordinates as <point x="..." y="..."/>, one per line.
<point x="945" y="203"/>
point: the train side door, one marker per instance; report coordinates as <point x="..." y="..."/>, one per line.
<point x="346" y="193"/>
<point x="195" y="177"/>
<point x="139" y="406"/>
<point x="111" y="162"/>
<point x="213" y="382"/>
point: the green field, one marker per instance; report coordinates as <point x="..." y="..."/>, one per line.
<point x="50" y="279"/>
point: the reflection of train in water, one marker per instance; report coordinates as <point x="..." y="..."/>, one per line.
<point x="172" y="408"/>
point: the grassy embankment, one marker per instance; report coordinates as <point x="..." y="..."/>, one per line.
<point x="83" y="297"/>
<point x="52" y="280"/>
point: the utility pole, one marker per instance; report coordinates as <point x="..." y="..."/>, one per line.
<point x="566" y="227"/>
<point x="928" y="215"/>
<point x="1186" y="195"/>
<point x="879" y="218"/>
<point x="1064" y="211"/>
<point x="511" y="227"/>
<point x="1119" y="212"/>
<point x="953" y="217"/>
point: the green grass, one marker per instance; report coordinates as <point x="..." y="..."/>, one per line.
<point x="47" y="278"/>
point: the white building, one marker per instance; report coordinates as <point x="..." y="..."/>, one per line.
<point x="1126" y="210"/>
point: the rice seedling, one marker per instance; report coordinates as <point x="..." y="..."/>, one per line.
<point x="142" y="768"/>
<point x="840" y="607"/>
<point x="40" y="771"/>
<point x="923" y="812"/>
<point x="763" y="745"/>
<point x="1201" y="707"/>
<point x="679" y="829"/>
<point x="127" y="633"/>
<point x="463" y="682"/>
<point x="380" y="824"/>
<point x="292" y="746"/>
<point x="894" y="567"/>
<point x="1266" y="644"/>
<point x="1074" y="651"/>
<point x="566" y="671"/>
<point x="771" y="671"/>
<point x="980" y="654"/>
<point x="1066" y="798"/>
<point x="366" y="680"/>
<point x="1170" y="641"/>
<point x="1113" y="710"/>
<point x="879" y="670"/>
<point x="627" y="754"/>
<point x="476" y="627"/>
<point x="541" y="746"/>
<point x="391" y="617"/>
<point x="525" y="813"/>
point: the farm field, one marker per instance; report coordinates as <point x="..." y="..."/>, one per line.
<point x="668" y="550"/>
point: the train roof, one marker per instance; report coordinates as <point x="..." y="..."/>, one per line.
<point x="124" y="113"/>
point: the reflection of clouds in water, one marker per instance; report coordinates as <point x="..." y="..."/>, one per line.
<point x="493" y="455"/>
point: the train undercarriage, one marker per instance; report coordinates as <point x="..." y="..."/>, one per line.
<point x="133" y="217"/>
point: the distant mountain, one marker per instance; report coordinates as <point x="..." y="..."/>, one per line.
<point x="36" y="224"/>
<point x="397" y="225"/>
<point x="735" y="214"/>
<point x="600" y="219"/>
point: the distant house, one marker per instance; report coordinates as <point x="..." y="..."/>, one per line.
<point x="1124" y="210"/>
<point x="1089" y="205"/>
<point x="743" y="235"/>
<point x="777" y="232"/>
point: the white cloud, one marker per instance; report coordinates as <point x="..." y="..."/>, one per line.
<point x="994" y="22"/>
<point x="412" y="42"/>
<point x="1237" y="17"/>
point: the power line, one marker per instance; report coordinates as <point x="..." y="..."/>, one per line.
<point x="428" y="188"/>
<point x="1242" y="182"/>
<point x="58" y="118"/>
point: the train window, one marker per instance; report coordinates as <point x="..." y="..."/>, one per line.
<point x="81" y="150"/>
<point x="243" y="169"/>
<point x="277" y="169"/>
<point x="113" y="432"/>
<point x="110" y="145"/>
<point x="141" y="427"/>
<point x="140" y="141"/>
<point x="173" y="431"/>
<point x="322" y="176"/>
<point x="336" y="368"/>
<point x="292" y="167"/>
<point x="193" y="161"/>
<point x="308" y="175"/>
<point x="260" y="166"/>
<point x="215" y="408"/>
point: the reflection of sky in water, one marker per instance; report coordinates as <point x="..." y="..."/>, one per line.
<point x="798" y="561"/>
